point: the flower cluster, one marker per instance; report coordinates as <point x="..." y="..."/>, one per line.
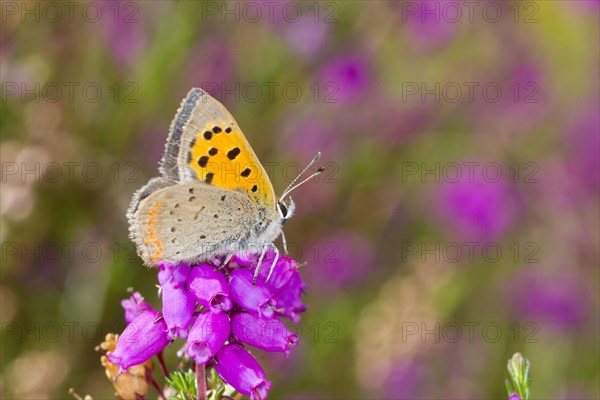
<point x="217" y="309"/>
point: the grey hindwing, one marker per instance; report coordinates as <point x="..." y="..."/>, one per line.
<point x="141" y="194"/>
<point x="193" y="222"/>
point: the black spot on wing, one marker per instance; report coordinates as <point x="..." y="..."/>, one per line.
<point x="202" y="161"/>
<point x="213" y="151"/>
<point x="228" y="130"/>
<point x="216" y="129"/>
<point x="233" y="153"/>
<point x="208" y="135"/>
<point x="209" y="177"/>
<point x="246" y="172"/>
<point x="254" y="188"/>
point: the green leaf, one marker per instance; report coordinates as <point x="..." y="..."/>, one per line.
<point x="184" y="383"/>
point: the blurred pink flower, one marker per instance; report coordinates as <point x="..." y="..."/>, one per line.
<point x="349" y="73"/>
<point x="427" y="27"/>
<point x="125" y="33"/>
<point x="583" y="144"/>
<point x="511" y="102"/>
<point x="476" y="207"/>
<point x="560" y="299"/>
<point x="211" y="66"/>
<point x="339" y="260"/>
<point x="305" y="36"/>
<point x="407" y="380"/>
<point x="310" y="135"/>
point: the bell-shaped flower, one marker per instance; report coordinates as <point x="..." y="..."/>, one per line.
<point x="283" y="270"/>
<point x="239" y="369"/>
<point x="176" y="274"/>
<point x="269" y="334"/>
<point x="288" y="302"/>
<point x="178" y="308"/>
<point x="144" y="337"/>
<point x="131" y="384"/>
<point x="207" y="335"/>
<point x="210" y="287"/>
<point x="248" y="296"/>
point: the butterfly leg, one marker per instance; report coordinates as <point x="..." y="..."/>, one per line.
<point x="260" y="259"/>
<point x="276" y="250"/>
<point x="227" y="259"/>
<point x="285" y="250"/>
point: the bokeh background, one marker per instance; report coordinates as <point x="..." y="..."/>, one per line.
<point x="457" y="221"/>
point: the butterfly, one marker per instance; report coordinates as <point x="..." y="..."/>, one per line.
<point x="213" y="197"/>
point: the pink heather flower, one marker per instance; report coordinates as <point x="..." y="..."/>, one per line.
<point x="269" y="334"/>
<point x="208" y="334"/>
<point x="239" y="369"/>
<point x="178" y="309"/>
<point x="218" y="292"/>
<point x="178" y="303"/>
<point x="282" y="272"/>
<point x="175" y="274"/>
<point x="210" y="288"/>
<point x="144" y="337"/>
<point x="288" y="302"/>
<point x="134" y="305"/>
<point x="250" y="297"/>
<point x="514" y="397"/>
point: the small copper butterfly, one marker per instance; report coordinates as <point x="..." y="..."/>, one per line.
<point x="213" y="197"/>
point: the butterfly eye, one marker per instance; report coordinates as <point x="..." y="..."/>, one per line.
<point x="283" y="209"/>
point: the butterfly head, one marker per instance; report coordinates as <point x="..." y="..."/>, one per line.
<point x="285" y="210"/>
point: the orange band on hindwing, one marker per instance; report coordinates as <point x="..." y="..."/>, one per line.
<point x="152" y="237"/>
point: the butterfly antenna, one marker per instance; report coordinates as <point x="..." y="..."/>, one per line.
<point x="293" y="185"/>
